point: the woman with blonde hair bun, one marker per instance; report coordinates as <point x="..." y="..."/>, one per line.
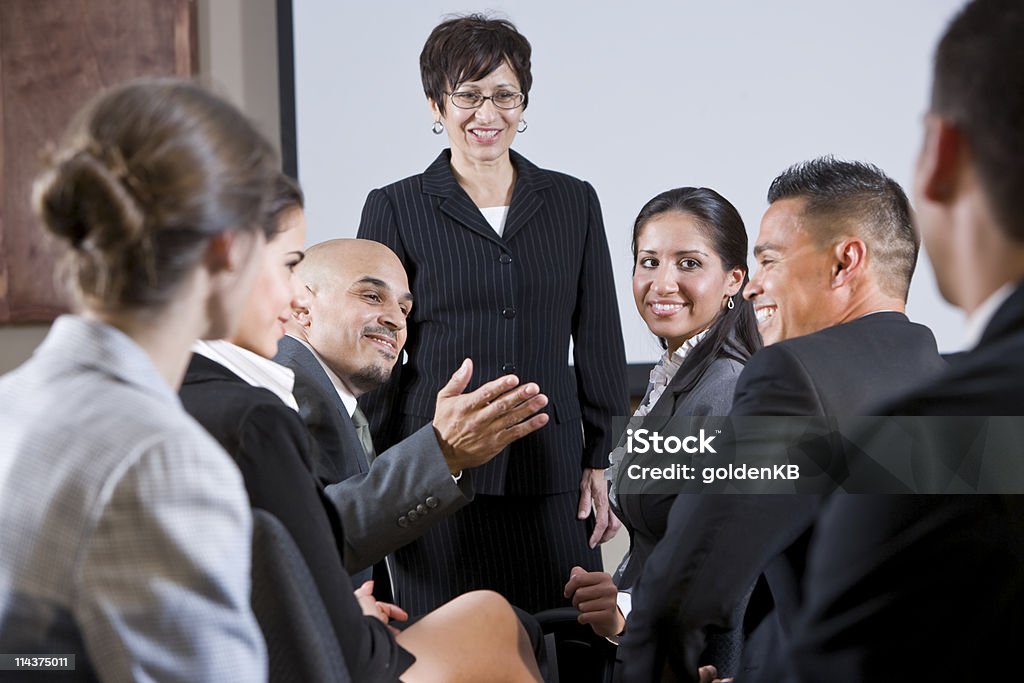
<point x="125" y="528"/>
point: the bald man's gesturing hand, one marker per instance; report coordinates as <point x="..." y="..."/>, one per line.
<point x="473" y="428"/>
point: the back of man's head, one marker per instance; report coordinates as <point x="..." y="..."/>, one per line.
<point x="979" y="86"/>
<point x="851" y="198"/>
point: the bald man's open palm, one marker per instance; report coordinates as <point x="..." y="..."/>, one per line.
<point x="473" y="428"/>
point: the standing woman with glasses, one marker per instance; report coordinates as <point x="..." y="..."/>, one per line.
<point x="125" y="529"/>
<point x="508" y="262"/>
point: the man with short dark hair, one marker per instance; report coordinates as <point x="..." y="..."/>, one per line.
<point x="836" y="252"/>
<point x="930" y="588"/>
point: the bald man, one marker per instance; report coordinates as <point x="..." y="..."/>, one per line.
<point x="346" y="343"/>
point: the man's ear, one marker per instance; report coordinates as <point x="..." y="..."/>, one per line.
<point x="850" y="257"/>
<point x="302" y="315"/>
<point x="942" y="155"/>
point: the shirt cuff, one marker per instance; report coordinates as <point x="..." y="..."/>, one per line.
<point x="624" y="601"/>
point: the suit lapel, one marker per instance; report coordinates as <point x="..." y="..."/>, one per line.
<point x="1007" y="318"/>
<point x="439" y="181"/>
<point x="312" y="371"/>
<point x="526" y="197"/>
<point x="298" y="354"/>
<point x="679" y="384"/>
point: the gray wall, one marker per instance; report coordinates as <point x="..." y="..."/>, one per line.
<point x="238" y="56"/>
<point x="637" y="98"/>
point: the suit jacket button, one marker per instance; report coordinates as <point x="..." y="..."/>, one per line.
<point x="508" y="367"/>
<point x="432" y="502"/>
<point x="403" y="522"/>
<point x="505" y="259"/>
<point x="412" y="515"/>
<point x="421" y="509"/>
<point x="508" y="312"/>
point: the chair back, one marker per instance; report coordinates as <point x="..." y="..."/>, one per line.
<point x="301" y="643"/>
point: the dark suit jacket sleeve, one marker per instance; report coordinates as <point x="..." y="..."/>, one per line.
<point x="775" y="382"/>
<point x="377" y="223"/>
<point x="273" y="447"/>
<point x="598" y="352"/>
<point x="911" y="588"/>
<point x="375" y="507"/>
<point x="714" y="548"/>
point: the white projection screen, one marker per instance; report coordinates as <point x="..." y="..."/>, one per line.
<point x="636" y="97"/>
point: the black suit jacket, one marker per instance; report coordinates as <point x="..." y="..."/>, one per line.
<point x="716" y="546"/>
<point x="375" y="502"/>
<point x="987" y="380"/>
<point x="924" y="587"/>
<point x="847" y="369"/>
<point x="275" y="454"/>
<point x="510" y="303"/>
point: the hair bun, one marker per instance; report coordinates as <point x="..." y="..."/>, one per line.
<point x="85" y="201"/>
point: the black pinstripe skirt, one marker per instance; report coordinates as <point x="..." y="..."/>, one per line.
<point x="520" y="546"/>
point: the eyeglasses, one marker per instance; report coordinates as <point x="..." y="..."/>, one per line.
<point x="503" y="99"/>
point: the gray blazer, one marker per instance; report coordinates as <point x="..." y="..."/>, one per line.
<point x="645" y="513"/>
<point x="383" y="505"/>
<point x="124" y="527"/>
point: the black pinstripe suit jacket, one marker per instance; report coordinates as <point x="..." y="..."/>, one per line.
<point x="510" y="303"/>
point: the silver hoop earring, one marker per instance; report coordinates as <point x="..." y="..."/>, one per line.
<point x="731" y="305"/>
<point x="523" y="125"/>
<point x="437" y="128"/>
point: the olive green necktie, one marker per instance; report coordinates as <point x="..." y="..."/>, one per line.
<point x="363" y="432"/>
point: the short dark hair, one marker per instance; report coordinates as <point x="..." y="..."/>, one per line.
<point x="841" y="195"/>
<point x="979" y="86"/>
<point x="734" y="332"/>
<point x="146" y="174"/>
<point x="467" y="48"/>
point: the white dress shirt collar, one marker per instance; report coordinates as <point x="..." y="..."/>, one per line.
<point x="976" y="322"/>
<point x="252" y="368"/>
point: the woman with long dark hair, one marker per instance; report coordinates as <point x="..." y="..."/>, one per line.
<point x="689" y="269"/>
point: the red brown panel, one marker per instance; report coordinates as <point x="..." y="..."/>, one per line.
<point x="54" y="56"/>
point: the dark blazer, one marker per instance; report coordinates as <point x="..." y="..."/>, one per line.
<point x="274" y="452"/>
<point x="510" y="303"/>
<point x="987" y="380"/>
<point x="924" y="587"/>
<point x="912" y="588"/>
<point x="716" y="546"/>
<point x="690" y="396"/>
<point x="842" y="370"/>
<point x="374" y="502"/>
<point x="644" y="513"/>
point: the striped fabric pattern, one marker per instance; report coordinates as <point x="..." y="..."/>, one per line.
<point x="510" y="303"/>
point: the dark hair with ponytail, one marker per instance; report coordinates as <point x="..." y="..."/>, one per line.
<point x="733" y="334"/>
